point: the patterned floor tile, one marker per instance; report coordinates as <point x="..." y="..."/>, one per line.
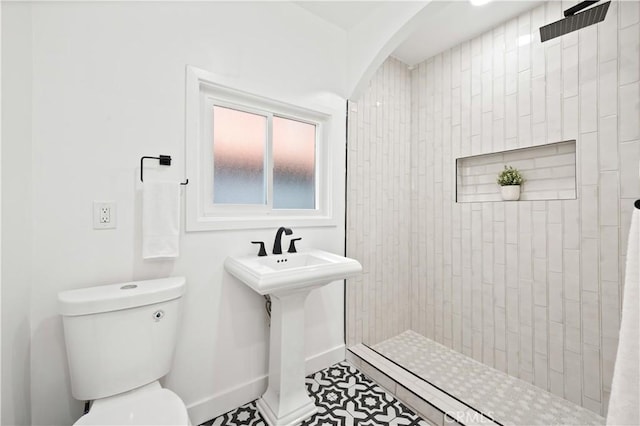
<point x="329" y="398"/>
<point x="337" y="417"/>
<point x="344" y="397"/>
<point x="373" y="403"/>
<point x="247" y="415"/>
<point x="343" y="375"/>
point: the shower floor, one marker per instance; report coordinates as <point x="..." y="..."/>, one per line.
<point x="505" y="399"/>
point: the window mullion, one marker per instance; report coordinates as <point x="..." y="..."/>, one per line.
<point x="269" y="162"/>
<point x="318" y="159"/>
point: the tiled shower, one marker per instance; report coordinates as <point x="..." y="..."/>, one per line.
<point x="531" y="288"/>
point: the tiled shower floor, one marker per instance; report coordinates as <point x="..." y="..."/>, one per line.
<point x="344" y="396"/>
<point x="505" y="399"/>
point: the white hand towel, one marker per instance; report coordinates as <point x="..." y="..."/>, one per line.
<point x="625" y="389"/>
<point x="160" y="219"/>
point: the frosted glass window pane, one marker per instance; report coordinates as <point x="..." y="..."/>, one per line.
<point x="294" y="164"/>
<point x="239" y="141"/>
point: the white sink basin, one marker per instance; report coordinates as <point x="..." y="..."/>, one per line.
<point x="291" y="271"/>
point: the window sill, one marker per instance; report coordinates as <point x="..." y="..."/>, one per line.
<point x="257" y="222"/>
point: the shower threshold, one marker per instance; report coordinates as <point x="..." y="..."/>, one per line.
<point x="448" y="388"/>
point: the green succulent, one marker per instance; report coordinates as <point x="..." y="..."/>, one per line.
<point x="510" y="176"/>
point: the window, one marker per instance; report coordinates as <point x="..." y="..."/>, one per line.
<point x="239" y="144"/>
<point x="294" y="165"/>
<point x="257" y="162"/>
<point x="242" y="147"/>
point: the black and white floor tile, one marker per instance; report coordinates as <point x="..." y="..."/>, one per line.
<point x="344" y="397"/>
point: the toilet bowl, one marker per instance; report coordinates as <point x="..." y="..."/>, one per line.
<point x="149" y="405"/>
<point x="120" y="340"/>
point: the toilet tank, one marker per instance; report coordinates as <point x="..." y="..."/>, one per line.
<point x="120" y="336"/>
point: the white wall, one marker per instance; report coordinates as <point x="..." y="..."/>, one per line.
<point x="373" y="39"/>
<point x="0" y="205"/>
<point x="107" y="88"/>
<point x="16" y="215"/>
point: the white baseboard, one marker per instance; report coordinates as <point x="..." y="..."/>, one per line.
<point x="222" y="402"/>
<point x="325" y="359"/>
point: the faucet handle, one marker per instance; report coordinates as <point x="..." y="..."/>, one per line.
<point x="262" y="251"/>
<point x="292" y="245"/>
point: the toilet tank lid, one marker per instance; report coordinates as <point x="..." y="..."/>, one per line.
<point x="113" y="297"/>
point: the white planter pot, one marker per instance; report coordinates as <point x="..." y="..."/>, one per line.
<point x="510" y="192"/>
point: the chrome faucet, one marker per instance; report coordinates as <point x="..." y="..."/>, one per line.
<point x="277" y="246"/>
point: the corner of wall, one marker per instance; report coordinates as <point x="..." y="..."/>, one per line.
<point x="371" y="42"/>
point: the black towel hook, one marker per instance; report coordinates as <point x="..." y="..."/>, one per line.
<point x="165" y="160"/>
<point x="637" y="204"/>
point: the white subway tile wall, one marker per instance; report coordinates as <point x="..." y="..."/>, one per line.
<point x="379" y="186"/>
<point x="531" y="287"/>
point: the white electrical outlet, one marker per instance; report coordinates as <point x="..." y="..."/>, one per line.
<point x="104" y="214"/>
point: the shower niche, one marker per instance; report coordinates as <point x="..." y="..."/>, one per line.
<point x="549" y="171"/>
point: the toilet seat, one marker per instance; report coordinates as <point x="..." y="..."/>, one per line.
<point x="150" y="407"/>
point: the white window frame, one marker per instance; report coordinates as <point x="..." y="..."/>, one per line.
<point x="202" y="93"/>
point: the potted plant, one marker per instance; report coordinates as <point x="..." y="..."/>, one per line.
<point x="510" y="180"/>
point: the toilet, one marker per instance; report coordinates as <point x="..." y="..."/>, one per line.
<point x="120" y="340"/>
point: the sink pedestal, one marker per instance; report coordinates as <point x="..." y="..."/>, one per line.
<point x="286" y="401"/>
<point x="289" y="278"/>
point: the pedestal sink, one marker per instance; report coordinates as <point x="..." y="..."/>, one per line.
<point x="289" y="278"/>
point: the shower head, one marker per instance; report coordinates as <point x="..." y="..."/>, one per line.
<point x="574" y="21"/>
